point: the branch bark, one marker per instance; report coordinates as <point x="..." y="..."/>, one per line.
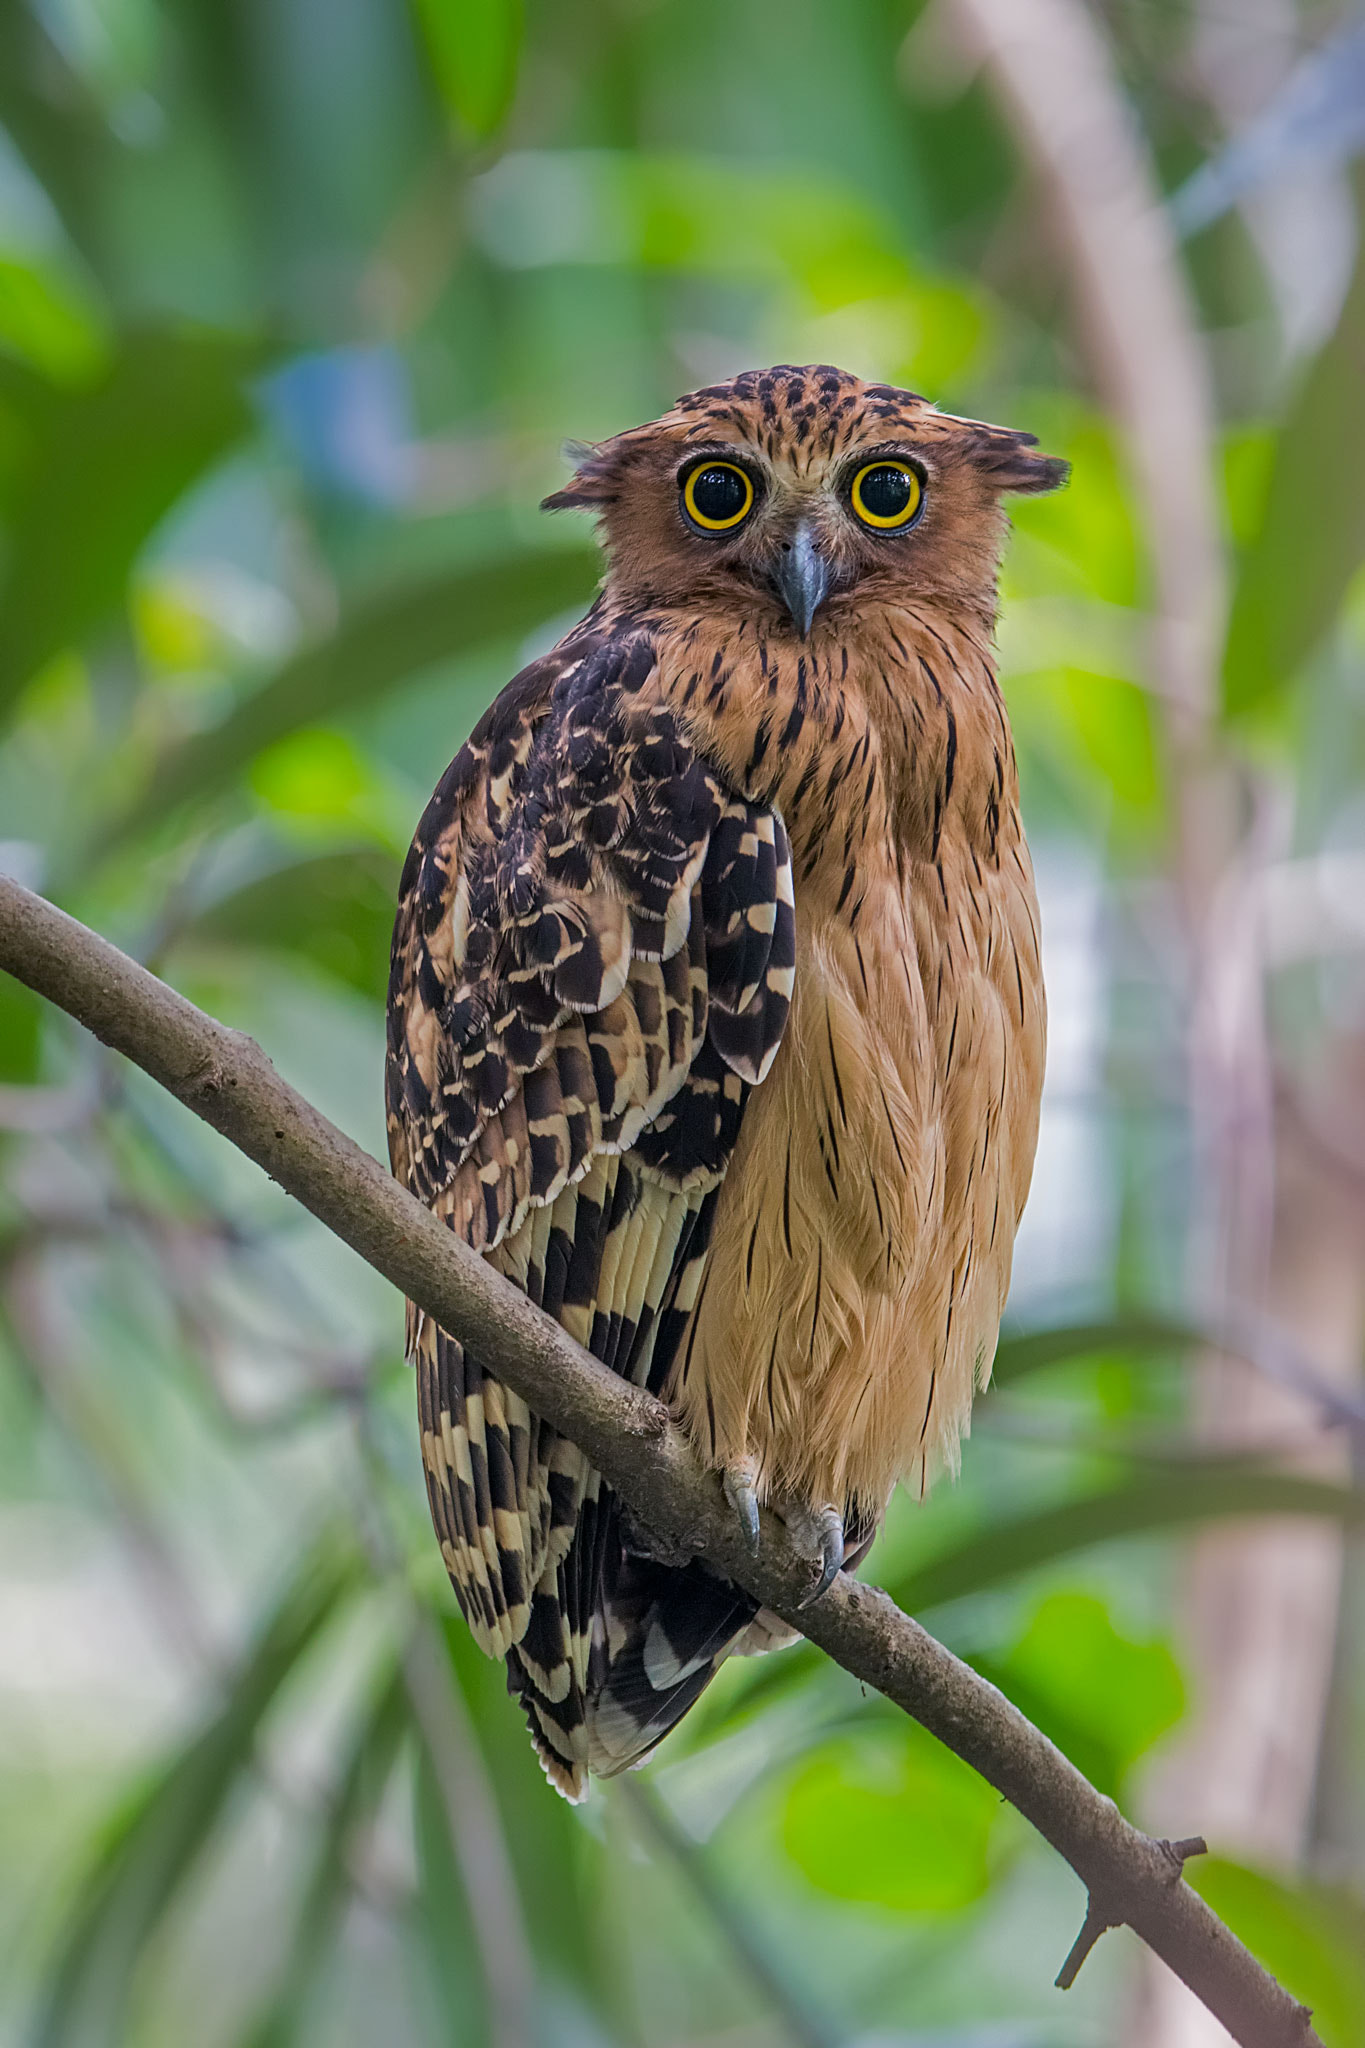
<point x="225" y="1078"/>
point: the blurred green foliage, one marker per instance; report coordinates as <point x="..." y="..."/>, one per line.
<point x="97" y="468"/>
<point x="1311" y="1934"/>
<point x="296" y="304"/>
<point x="474" y="46"/>
<point x="1299" y="557"/>
<point x="893" y="1822"/>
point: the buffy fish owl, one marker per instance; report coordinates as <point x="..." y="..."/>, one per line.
<point x="716" y="1021"/>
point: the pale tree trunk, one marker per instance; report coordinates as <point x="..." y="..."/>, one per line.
<point x="1278" y="1236"/>
<point x="1260" y="1613"/>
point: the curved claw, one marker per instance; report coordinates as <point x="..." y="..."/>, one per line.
<point x="828" y="1529"/>
<point x="739" y="1491"/>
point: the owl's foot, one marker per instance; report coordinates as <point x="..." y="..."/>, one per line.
<point x="819" y="1532"/>
<point x="738" y="1483"/>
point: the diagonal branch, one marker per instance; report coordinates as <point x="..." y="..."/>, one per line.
<point x="224" y="1077"/>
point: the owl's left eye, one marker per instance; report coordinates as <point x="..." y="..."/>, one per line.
<point x="717" y="496"/>
<point x="886" y="495"/>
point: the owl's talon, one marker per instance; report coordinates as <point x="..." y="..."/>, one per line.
<point x="820" y="1533"/>
<point x="739" y="1491"/>
<point x="830" y="1526"/>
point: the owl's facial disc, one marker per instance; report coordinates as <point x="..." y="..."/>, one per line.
<point x="800" y="497"/>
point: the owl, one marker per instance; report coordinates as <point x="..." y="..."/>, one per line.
<point x="716" y="1022"/>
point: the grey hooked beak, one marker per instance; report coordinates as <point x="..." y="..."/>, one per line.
<point x="802" y="578"/>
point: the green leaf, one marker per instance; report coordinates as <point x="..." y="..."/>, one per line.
<point x="1248" y="453"/>
<point x="385" y="641"/>
<point x="1021" y="1352"/>
<point x="1102" y="1697"/>
<point x="361" y="1784"/>
<point x="28" y="399"/>
<point x="1111" y="720"/>
<point x="335" y="909"/>
<point x="1090" y="524"/>
<point x="448" y="1935"/>
<point x="104" y="466"/>
<point x="891" y="1820"/>
<point x="45" y="320"/>
<point x="21" y="1032"/>
<point x="475" y="47"/>
<point x="317" y="776"/>
<point x="1293" y="576"/>
<point x="152" y="1845"/>
<point x="57" y="125"/>
<point x="555" y="1860"/>
<point x="1309" y="1935"/>
<point x="1159" y="1497"/>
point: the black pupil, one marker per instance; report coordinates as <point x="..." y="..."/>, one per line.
<point x="720" y="493"/>
<point x="885" y="491"/>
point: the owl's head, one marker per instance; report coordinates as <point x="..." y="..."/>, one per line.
<point x="792" y="491"/>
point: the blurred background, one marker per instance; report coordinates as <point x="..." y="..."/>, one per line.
<point x="298" y="299"/>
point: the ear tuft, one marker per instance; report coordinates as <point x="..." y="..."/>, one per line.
<point x="1011" y="462"/>
<point x="1039" y="473"/>
<point x="588" y="485"/>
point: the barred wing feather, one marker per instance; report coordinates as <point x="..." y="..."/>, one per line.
<point x="592" y="966"/>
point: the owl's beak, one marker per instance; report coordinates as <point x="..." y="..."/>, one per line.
<point x="802" y="577"/>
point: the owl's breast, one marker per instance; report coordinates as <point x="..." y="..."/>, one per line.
<point x="863" y="1238"/>
<point x="862" y="1248"/>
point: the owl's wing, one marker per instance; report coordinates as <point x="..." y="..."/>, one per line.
<point x="592" y="964"/>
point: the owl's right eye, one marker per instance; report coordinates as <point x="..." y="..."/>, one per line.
<point x="717" y="496"/>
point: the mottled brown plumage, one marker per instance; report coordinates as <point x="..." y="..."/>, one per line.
<point x="717" y="1023"/>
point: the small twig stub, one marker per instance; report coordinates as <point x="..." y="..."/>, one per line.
<point x="1096" y="1922"/>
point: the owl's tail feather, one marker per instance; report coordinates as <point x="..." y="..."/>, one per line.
<point x="661" y="1633"/>
<point x="549" y="1670"/>
<point x="635" y="1644"/>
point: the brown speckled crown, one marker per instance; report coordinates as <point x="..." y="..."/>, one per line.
<point x="814" y="412"/>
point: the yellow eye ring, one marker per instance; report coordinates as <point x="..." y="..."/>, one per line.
<point x="891" y="479"/>
<point x="717" y="482"/>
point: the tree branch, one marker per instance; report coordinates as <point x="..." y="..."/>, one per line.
<point x="225" y="1078"/>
